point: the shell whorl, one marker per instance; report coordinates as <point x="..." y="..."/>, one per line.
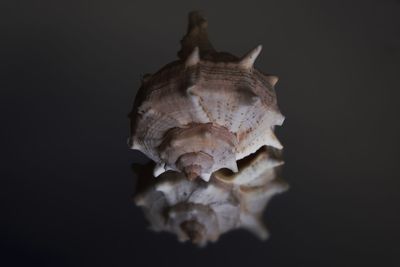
<point x="205" y="111"/>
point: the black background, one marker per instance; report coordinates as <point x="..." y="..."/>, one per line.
<point x="70" y="71"/>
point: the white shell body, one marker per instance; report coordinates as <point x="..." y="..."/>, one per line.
<point x="205" y="111"/>
<point x="200" y="212"/>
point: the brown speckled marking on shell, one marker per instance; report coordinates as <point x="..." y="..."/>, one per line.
<point x="205" y="111"/>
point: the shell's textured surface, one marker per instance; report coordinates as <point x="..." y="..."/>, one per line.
<point x="200" y="212"/>
<point x="205" y="111"/>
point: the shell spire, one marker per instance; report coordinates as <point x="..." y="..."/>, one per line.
<point x="196" y="36"/>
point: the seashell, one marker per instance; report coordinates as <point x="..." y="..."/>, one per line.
<point x="200" y="212"/>
<point x="205" y="111"/>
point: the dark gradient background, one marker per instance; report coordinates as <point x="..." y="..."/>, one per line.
<point x="69" y="73"/>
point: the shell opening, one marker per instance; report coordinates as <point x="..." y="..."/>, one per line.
<point x="199" y="150"/>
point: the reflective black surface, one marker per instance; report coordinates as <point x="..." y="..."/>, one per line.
<point x="69" y="73"/>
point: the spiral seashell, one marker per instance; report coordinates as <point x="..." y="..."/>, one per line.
<point x="200" y="212"/>
<point x="205" y="111"/>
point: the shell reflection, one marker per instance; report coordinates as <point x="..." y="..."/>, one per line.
<point x="201" y="211"/>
